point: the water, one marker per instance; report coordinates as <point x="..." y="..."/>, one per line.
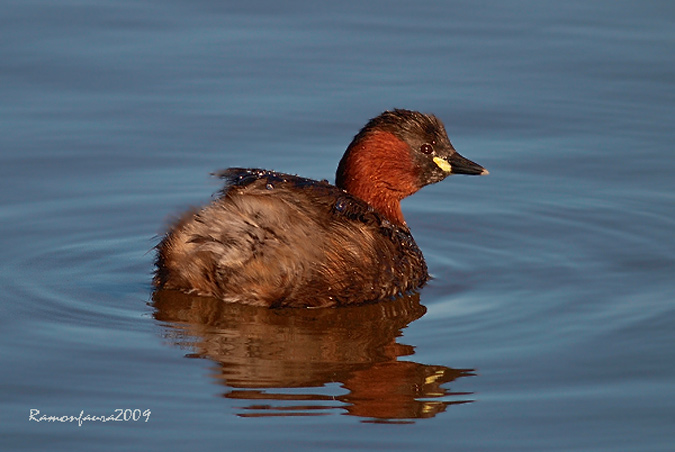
<point x="548" y="326"/>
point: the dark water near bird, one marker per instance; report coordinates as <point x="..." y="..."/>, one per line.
<point x="549" y="324"/>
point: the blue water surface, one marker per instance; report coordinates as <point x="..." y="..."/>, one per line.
<point x="548" y="325"/>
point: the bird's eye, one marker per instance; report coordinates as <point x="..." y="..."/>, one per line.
<point x="427" y="149"/>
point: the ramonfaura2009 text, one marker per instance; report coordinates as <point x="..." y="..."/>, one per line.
<point x="120" y="415"/>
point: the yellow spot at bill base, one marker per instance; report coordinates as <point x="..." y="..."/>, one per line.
<point x="443" y="164"/>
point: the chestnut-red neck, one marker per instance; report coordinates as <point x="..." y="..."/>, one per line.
<point x="378" y="169"/>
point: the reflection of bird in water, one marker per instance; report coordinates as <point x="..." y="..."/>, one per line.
<point x="272" y="357"/>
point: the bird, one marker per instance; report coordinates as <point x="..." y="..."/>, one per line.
<point x="279" y="240"/>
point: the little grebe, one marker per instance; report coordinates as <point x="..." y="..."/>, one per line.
<point x="274" y="239"/>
